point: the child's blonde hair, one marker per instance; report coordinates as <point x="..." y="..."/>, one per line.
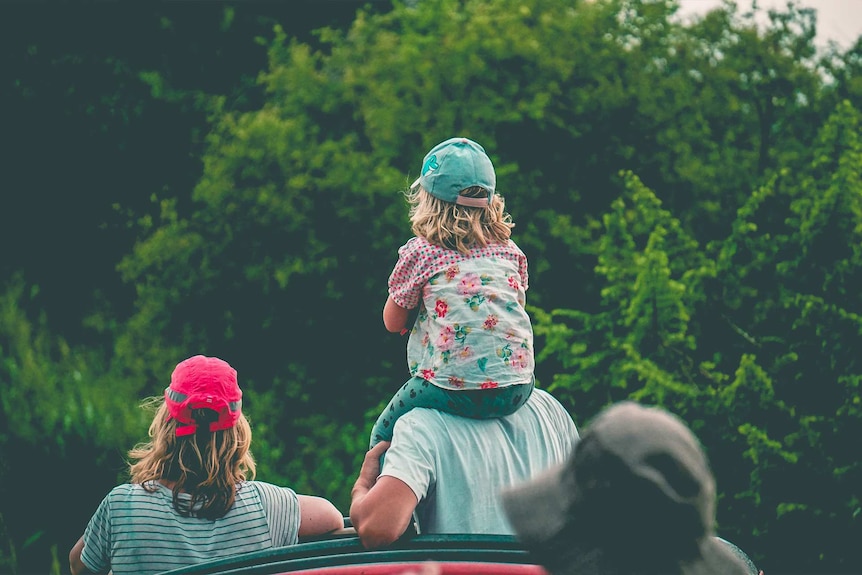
<point x="456" y="227"/>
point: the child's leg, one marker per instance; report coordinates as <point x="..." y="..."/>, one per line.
<point x="417" y="392"/>
<point x="477" y="404"/>
<point x="489" y="403"/>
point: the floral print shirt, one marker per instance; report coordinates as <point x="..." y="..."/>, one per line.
<point x="472" y="331"/>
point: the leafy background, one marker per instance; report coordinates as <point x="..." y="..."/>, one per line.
<point x="224" y="178"/>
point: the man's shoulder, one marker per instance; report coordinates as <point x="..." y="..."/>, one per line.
<point x="545" y="410"/>
<point x="541" y="399"/>
<point x="424" y="416"/>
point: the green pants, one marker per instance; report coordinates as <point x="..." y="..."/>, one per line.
<point x="474" y="403"/>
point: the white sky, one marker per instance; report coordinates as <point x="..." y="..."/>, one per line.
<point x="838" y="20"/>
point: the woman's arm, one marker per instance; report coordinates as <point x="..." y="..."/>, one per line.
<point x="318" y="516"/>
<point x="76" y="566"/>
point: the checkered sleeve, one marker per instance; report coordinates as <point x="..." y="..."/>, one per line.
<point x="407" y="279"/>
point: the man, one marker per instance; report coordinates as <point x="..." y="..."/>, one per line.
<point x="449" y="469"/>
<point x="636" y="497"/>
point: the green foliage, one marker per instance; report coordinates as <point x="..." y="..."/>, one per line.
<point x="313" y="453"/>
<point x="65" y="414"/>
<point x="652" y="274"/>
<point x="752" y="340"/>
<point x="8" y="559"/>
<point x="690" y="216"/>
<point x="50" y="389"/>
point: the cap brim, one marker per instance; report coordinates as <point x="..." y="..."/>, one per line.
<point x="717" y="558"/>
<point x="562" y="555"/>
<point x="537" y="508"/>
<point x="538" y="513"/>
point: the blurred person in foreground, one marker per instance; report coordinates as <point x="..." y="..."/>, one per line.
<point x="637" y="496"/>
<point x="444" y="472"/>
<point x="192" y="497"/>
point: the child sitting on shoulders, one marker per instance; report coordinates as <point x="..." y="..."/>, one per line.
<point x="470" y="350"/>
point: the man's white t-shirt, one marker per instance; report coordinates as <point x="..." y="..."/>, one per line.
<point x="457" y="466"/>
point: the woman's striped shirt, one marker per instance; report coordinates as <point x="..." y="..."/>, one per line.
<point x="137" y="531"/>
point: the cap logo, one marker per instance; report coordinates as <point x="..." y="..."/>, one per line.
<point x="430" y="164"/>
<point x="455" y="165"/>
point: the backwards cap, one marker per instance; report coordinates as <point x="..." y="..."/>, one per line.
<point x="203" y="382"/>
<point x="638" y="474"/>
<point x="455" y="165"/>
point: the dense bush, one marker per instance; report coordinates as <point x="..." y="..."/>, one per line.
<point x="688" y="197"/>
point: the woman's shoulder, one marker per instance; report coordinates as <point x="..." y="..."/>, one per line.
<point x="133" y="488"/>
<point x="266" y="490"/>
<point x="130" y="493"/>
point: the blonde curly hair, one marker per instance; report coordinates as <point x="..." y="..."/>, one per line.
<point x="458" y="227"/>
<point x="206" y="465"/>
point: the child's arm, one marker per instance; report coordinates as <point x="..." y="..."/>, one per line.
<point x="394" y="316"/>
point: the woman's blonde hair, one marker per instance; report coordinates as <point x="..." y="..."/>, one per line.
<point x="458" y="227"/>
<point x="208" y="466"/>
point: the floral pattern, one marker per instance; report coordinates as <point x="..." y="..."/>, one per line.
<point x="472" y="331"/>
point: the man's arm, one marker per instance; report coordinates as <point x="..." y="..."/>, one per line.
<point x="380" y="509"/>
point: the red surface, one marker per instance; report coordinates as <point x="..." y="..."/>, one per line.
<point x="414" y="568"/>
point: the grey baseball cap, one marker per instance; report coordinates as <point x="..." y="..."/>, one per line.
<point x="636" y="496"/>
<point x="455" y="165"/>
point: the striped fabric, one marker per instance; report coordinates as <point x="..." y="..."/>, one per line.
<point x="134" y="531"/>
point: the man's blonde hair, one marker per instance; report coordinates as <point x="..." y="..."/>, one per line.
<point x="457" y="227"/>
<point x="207" y="466"/>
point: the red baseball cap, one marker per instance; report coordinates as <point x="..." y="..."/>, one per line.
<point x="203" y="382"/>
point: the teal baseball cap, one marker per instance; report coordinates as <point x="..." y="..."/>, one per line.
<point x="454" y="165"/>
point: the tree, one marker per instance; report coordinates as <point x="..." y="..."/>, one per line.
<point x="661" y="177"/>
<point x="751" y="338"/>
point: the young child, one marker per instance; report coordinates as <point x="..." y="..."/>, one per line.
<point x="470" y="350"/>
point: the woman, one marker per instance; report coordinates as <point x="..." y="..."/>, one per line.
<point x="192" y="497"/>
